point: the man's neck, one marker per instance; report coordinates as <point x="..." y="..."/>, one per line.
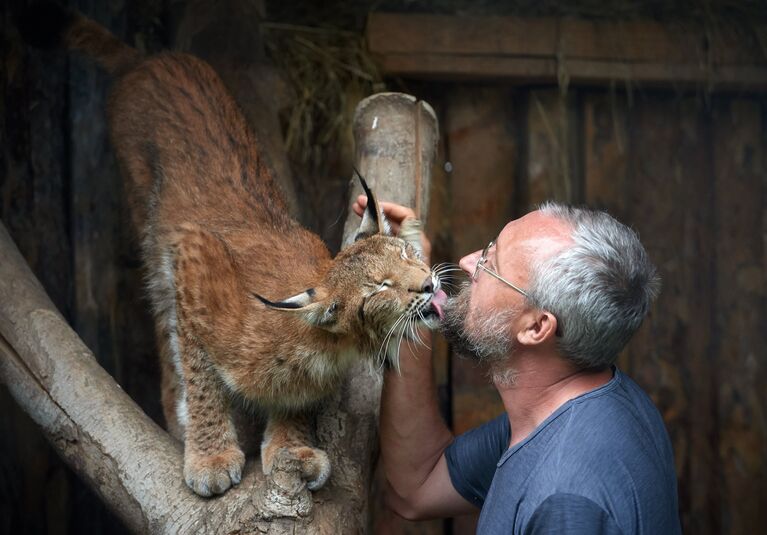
<point x="541" y="384"/>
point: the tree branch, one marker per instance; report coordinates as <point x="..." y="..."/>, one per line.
<point x="134" y="466"/>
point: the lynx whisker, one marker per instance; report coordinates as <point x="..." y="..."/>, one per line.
<point x="382" y="352"/>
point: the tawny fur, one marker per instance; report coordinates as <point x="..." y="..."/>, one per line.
<point x="215" y="231"/>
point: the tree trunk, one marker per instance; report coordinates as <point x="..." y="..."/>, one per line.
<point x="133" y="465"/>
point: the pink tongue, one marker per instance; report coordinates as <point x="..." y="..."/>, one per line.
<point x="437" y="301"/>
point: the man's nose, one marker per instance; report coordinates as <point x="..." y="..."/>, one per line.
<point x="469" y="262"/>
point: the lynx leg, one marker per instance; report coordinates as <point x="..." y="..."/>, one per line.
<point x="170" y="386"/>
<point x="213" y="460"/>
<point x="290" y="435"/>
<point x="203" y="276"/>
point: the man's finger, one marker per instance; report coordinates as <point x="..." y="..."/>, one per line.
<point x="395" y="213"/>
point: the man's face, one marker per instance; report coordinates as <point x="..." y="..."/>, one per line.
<point x="481" y="322"/>
<point x="482" y="337"/>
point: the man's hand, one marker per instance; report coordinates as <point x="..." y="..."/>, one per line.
<point x="395" y="215"/>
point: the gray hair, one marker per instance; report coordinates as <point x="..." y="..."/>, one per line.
<point x="600" y="289"/>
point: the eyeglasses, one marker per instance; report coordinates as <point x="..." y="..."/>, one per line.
<point x="481" y="265"/>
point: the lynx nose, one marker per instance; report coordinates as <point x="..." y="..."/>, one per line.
<point x="428" y="285"/>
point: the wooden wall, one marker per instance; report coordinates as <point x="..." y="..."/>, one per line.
<point x="688" y="172"/>
<point x="60" y="198"/>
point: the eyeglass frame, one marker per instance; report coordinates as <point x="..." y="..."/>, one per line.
<point x="481" y="265"/>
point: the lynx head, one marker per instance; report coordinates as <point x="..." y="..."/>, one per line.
<point x="377" y="291"/>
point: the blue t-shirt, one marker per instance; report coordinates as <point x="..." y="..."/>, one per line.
<point x="600" y="464"/>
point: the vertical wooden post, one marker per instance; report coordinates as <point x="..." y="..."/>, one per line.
<point x="396" y="142"/>
<point x="395" y="137"/>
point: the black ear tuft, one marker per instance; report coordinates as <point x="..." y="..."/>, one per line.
<point x="43" y="24"/>
<point x="272" y="304"/>
<point x="372" y="209"/>
<point x="362" y="181"/>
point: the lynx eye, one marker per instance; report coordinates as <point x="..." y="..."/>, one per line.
<point x="379" y="286"/>
<point x="385" y="285"/>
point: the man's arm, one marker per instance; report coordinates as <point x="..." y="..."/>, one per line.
<point x="413" y="433"/>
<point x="413" y="440"/>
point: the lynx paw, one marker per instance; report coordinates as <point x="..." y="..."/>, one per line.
<point x="314" y="464"/>
<point x="207" y="475"/>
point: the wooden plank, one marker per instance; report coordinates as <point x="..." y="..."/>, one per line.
<point x="445" y="34"/>
<point x="669" y="203"/>
<point x="522" y="70"/>
<point x="558" y="50"/>
<point x="552" y="171"/>
<point x="631" y="41"/>
<point x="741" y="365"/>
<point x="605" y="150"/>
<point x="33" y="186"/>
<point x="482" y="151"/>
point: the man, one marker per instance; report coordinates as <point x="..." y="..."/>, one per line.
<point x="581" y="448"/>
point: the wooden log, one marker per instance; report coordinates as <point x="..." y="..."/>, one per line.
<point x="396" y="141"/>
<point x="563" y="50"/>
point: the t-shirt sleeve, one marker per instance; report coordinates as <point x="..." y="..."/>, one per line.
<point x="571" y="514"/>
<point x="473" y="456"/>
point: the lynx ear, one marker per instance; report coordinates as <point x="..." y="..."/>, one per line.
<point x="373" y="220"/>
<point x="316" y="312"/>
<point x="410" y="230"/>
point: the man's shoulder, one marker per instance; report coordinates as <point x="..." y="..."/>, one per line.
<point x="619" y="416"/>
<point x="614" y="449"/>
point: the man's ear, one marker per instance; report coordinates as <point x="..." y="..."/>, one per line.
<point x="539" y="326"/>
<point x="373" y="220"/>
<point x="321" y="313"/>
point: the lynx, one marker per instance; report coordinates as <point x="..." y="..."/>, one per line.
<point x="250" y="308"/>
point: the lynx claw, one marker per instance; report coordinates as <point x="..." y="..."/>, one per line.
<point x="213" y="474"/>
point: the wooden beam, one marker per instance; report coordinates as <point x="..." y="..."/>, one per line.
<point x="563" y="50"/>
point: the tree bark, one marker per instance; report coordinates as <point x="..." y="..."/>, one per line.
<point x="136" y="467"/>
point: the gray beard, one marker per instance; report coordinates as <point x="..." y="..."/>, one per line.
<point x="488" y="340"/>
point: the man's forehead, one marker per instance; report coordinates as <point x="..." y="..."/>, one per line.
<point x="537" y="231"/>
